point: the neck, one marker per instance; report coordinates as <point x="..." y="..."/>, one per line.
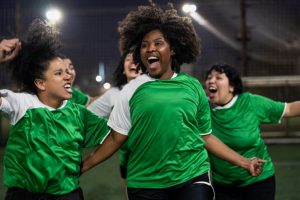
<point x="227" y="102"/>
<point x="167" y="76"/>
<point x="53" y="103"/>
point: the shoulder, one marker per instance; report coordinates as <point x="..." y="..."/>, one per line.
<point x="253" y="97"/>
<point x="112" y="91"/>
<point x="135" y="83"/>
<point x="188" y="78"/>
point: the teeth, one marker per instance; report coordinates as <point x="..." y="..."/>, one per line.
<point x="153" y="59"/>
<point x="212" y="89"/>
<point x="68" y="85"/>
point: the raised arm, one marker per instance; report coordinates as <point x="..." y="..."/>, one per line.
<point x="110" y="145"/>
<point x="218" y="148"/>
<point x="292" y="109"/>
<point x="9" y="49"/>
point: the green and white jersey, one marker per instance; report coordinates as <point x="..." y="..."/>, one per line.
<point x="237" y="124"/>
<point x="79" y="97"/>
<point x="44" y="147"/>
<point x="164" y="121"/>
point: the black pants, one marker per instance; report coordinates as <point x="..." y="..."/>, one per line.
<point x="21" y="194"/>
<point x="262" y="190"/>
<point x="198" y="188"/>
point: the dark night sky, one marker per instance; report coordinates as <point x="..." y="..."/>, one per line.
<point x="89" y="32"/>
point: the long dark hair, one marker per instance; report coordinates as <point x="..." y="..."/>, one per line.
<point x="119" y="78"/>
<point x="40" y="47"/>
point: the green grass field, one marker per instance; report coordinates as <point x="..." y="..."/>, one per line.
<point x="104" y="182"/>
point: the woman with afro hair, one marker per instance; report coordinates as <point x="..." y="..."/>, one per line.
<point x="164" y="114"/>
<point x="47" y="134"/>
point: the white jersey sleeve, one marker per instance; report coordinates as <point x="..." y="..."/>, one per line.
<point x="120" y="119"/>
<point x="103" y="105"/>
<point x="14" y="105"/>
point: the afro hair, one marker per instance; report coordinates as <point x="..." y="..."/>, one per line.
<point x="179" y="31"/>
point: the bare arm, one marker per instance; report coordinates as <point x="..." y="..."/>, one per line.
<point x="110" y="145"/>
<point x="9" y="49"/>
<point x="292" y="109"/>
<point x="218" y="148"/>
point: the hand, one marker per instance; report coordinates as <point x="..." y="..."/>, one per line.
<point x="255" y="166"/>
<point x="9" y="49"/>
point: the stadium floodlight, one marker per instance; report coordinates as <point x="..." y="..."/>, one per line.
<point x="107" y="86"/>
<point x="99" y="78"/>
<point x="189" y="8"/>
<point x="54" y="15"/>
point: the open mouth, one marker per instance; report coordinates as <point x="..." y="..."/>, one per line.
<point x="133" y="69"/>
<point x="68" y="87"/>
<point x="152" y="59"/>
<point x="212" y="89"/>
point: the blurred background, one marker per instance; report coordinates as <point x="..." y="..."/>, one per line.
<point x="261" y="38"/>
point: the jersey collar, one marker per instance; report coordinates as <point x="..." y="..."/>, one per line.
<point x="228" y="105"/>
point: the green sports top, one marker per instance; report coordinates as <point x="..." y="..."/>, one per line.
<point x="44" y="147"/>
<point x="79" y="97"/>
<point x="238" y="125"/>
<point x="164" y="121"/>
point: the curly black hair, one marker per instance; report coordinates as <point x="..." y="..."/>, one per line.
<point x="179" y="31"/>
<point x="40" y="47"/>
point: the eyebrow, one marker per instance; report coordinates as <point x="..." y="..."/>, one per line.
<point x="160" y="38"/>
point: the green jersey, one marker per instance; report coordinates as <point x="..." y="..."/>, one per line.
<point x="164" y="121"/>
<point x="44" y="147"/>
<point x="79" y="97"/>
<point x="238" y="126"/>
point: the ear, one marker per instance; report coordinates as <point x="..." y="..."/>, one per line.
<point x="40" y="84"/>
<point x="231" y="89"/>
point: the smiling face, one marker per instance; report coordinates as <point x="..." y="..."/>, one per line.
<point x="55" y="85"/>
<point x="156" y="54"/>
<point x="130" y="68"/>
<point x="218" y="89"/>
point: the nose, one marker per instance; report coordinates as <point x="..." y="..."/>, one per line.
<point x="211" y="79"/>
<point x="151" y="48"/>
<point x="68" y="74"/>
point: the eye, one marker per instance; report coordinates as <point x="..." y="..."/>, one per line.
<point x="158" y="43"/>
<point x="58" y="72"/>
<point x="143" y="45"/>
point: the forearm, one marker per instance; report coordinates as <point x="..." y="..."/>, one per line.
<point x="110" y="145"/>
<point x="292" y="109"/>
<point x="218" y="148"/>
